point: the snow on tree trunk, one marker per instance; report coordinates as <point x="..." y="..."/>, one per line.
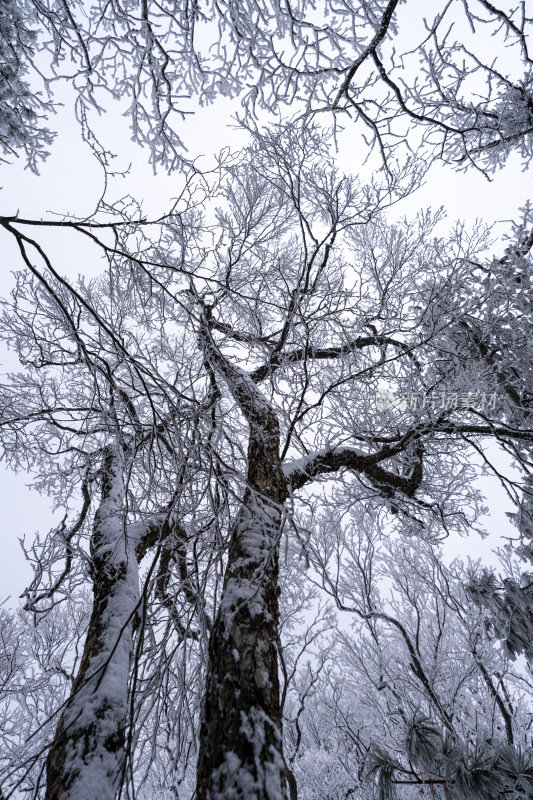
<point x="86" y="757"/>
<point x="240" y="739"/>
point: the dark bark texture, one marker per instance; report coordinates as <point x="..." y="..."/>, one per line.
<point x="241" y="755"/>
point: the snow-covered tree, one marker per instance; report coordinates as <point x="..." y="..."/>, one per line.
<point x="74" y="416"/>
<point x="21" y="107"/>
<point x="388" y="65"/>
<point x="264" y="363"/>
<point x="37" y="661"/>
<point x="496" y="341"/>
<point x="269" y="353"/>
<point x="416" y="700"/>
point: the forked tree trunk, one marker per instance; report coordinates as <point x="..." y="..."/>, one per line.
<point x="86" y="757"/>
<point x="241" y="756"/>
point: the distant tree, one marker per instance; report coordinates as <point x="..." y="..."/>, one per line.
<point x="416" y="701"/>
<point x="508" y="599"/>
<point x="496" y="340"/>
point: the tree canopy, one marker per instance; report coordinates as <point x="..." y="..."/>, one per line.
<point x="459" y="72"/>
<point x="267" y="410"/>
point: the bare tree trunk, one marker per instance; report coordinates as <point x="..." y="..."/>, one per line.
<point x="241" y="755"/>
<point x="86" y="757"/>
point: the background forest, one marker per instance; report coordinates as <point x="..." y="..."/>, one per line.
<point x="263" y="399"/>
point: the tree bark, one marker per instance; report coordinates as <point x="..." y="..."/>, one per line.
<point x="241" y="753"/>
<point x="86" y="758"/>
